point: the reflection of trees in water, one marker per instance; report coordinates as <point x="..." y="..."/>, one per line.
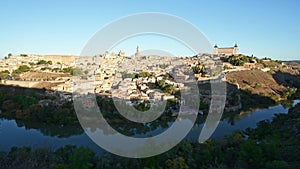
<point x="93" y="121"/>
<point x="52" y="129"/>
<point x="233" y="118"/>
<point x="117" y="121"/>
<point x="130" y="128"/>
<point x="287" y="104"/>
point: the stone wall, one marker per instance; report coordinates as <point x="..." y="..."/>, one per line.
<point x="27" y="84"/>
<point x="65" y="59"/>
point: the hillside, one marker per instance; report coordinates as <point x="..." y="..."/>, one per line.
<point x="275" y="85"/>
<point x="42" y="76"/>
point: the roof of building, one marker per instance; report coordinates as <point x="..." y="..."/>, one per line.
<point x="235" y="46"/>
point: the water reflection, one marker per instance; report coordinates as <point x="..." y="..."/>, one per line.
<point x="21" y="133"/>
<point x="60" y="131"/>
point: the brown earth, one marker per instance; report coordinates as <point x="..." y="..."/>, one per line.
<point x="42" y="76"/>
<point x="257" y="82"/>
<point x="293" y="64"/>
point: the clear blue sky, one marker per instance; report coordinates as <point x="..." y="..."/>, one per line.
<point x="267" y="28"/>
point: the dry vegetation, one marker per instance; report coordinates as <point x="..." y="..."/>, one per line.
<point x="42" y="76"/>
<point x="269" y="84"/>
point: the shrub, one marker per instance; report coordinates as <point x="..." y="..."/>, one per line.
<point x="43" y="62"/>
<point x="144" y="74"/>
<point x="21" y="69"/>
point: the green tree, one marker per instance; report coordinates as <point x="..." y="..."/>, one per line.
<point x="144" y="74"/>
<point x="77" y="72"/>
<point x="21" y="69"/>
<point x="49" y="62"/>
<point x="70" y="156"/>
<point x="176" y="163"/>
<point x="169" y="89"/>
<point x="2" y="98"/>
<point x="199" y="69"/>
<point x="142" y="107"/>
<point x="4" y="75"/>
<point x="251" y="154"/>
<point x="163" y="66"/>
<point x="125" y="74"/>
<point x="82" y="158"/>
<point x="42" y="62"/>
<point x="278" y="165"/>
<point x="68" y="70"/>
<point x="25" y="101"/>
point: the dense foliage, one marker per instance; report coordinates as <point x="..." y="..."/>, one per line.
<point x="4" y="75"/>
<point x="166" y="88"/>
<point x="26" y="107"/>
<point x="272" y="145"/>
<point x="44" y="62"/>
<point x="63" y="158"/>
<point x="21" y="69"/>
<point x="239" y="60"/>
<point x="72" y="71"/>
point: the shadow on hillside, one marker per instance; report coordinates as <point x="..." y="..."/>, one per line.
<point x="288" y="80"/>
<point x="247" y="100"/>
<point x="13" y="105"/>
<point x="49" y="120"/>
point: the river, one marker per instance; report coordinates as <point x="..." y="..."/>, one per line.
<point x="38" y="135"/>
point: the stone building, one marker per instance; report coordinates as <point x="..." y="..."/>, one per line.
<point x="137" y="53"/>
<point x="64" y="59"/>
<point x="227" y="51"/>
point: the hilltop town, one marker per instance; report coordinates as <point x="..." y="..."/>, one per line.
<point x="137" y="78"/>
<point x="139" y="73"/>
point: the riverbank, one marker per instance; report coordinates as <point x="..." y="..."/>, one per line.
<point x="271" y="145"/>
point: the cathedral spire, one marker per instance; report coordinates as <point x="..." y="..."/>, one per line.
<point x="137" y="52"/>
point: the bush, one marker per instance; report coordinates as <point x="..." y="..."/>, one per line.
<point x="75" y="158"/>
<point x="45" y="68"/>
<point x="289" y="92"/>
<point x="239" y="60"/>
<point x="21" y="69"/>
<point x="278" y="165"/>
<point x="127" y="75"/>
<point x="43" y="62"/>
<point x="142" y="107"/>
<point x="77" y="72"/>
<point x="67" y="70"/>
<point x="144" y="74"/>
<point x="163" y="66"/>
<point x="25" y="101"/>
<point x="4" y="75"/>
<point x="251" y="154"/>
<point x="177" y="163"/>
<point x="55" y="70"/>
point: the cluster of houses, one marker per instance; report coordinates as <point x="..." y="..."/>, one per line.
<point x="101" y="72"/>
<point x="107" y="76"/>
<point x="141" y="89"/>
<point x="13" y="62"/>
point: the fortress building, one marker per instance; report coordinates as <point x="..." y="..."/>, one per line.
<point x="227" y="51"/>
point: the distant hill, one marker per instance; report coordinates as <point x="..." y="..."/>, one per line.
<point x="294" y="63"/>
